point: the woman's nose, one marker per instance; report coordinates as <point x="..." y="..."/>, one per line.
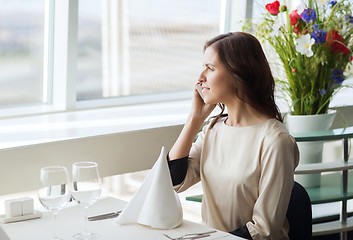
<point x="202" y="77"/>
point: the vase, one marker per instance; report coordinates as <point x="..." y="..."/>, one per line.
<point x="310" y="152"/>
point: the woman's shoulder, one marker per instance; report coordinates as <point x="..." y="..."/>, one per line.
<point x="278" y="139"/>
<point x="274" y="126"/>
<point x="276" y="131"/>
<point x="214" y="123"/>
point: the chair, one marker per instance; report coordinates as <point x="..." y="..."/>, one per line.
<point x="299" y="214"/>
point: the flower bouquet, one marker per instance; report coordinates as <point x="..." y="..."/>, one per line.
<point x="314" y="45"/>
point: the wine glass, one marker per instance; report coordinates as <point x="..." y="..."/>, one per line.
<point x="86" y="189"/>
<point x="54" y="192"/>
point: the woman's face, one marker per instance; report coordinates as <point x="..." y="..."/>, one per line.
<point x="215" y="79"/>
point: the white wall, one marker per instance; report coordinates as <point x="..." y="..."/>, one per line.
<point x="115" y="154"/>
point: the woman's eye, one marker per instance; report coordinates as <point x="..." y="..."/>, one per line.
<point x="207" y="67"/>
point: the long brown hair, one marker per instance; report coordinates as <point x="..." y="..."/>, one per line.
<point x="242" y="55"/>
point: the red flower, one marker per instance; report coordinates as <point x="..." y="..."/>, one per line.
<point x="335" y="41"/>
<point x="294" y="20"/>
<point x="294" y="17"/>
<point x="273" y="8"/>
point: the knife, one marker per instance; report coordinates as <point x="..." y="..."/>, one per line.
<point x="104" y="216"/>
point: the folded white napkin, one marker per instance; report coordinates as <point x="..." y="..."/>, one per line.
<point x="155" y="203"/>
<point x="3" y="234"/>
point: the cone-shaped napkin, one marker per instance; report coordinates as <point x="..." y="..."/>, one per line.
<point x="3" y="234"/>
<point x="155" y="203"/>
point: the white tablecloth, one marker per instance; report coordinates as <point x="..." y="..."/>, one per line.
<point x="70" y="220"/>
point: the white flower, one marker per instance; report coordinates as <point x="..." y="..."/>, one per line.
<point x="344" y="29"/>
<point x="281" y="19"/>
<point x="275" y="29"/>
<point x="346" y="25"/>
<point x="304" y="44"/>
<point x="321" y="2"/>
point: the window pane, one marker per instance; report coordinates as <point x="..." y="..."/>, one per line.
<point x="142" y="47"/>
<point x="89" y="59"/>
<point x="21" y="51"/>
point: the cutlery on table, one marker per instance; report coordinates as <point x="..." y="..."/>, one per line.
<point x="192" y="235"/>
<point x="104" y="216"/>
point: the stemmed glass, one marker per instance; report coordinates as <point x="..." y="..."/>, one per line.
<point x="86" y="189"/>
<point x="54" y="192"/>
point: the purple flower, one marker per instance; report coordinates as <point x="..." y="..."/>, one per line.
<point x="350" y="18"/>
<point x="322" y="91"/>
<point x="308" y="15"/>
<point x="319" y="36"/>
<point x="333" y="3"/>
<point x="316" y="27"/>
<point x="337" y="76"/>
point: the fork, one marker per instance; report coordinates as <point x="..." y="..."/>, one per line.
<point x="192" y="235"/>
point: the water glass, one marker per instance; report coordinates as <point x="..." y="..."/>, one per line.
<point x="86" y="189"/>
<point x="54" y="192"/>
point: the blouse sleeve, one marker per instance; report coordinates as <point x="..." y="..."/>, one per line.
<point x="193" y="171"/>
<point x="278" y="161"/>
<point x="177" y="169"/>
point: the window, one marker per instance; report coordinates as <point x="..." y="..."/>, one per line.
<point x="123" y="48"/>
<point x="68" y="53"/>
<point x="21" y="51"/>
<point x="134" y="47"/>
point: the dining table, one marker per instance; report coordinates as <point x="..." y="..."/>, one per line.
<point x="70" y="220"/>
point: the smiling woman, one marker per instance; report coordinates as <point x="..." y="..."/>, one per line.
<point x="215" y="79"/>
<point x="245" y="150"/>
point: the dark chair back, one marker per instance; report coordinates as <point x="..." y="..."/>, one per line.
<point x="299" y="214"/>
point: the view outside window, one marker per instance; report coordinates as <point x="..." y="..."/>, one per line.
<point x="21" y="51"/>
<point x="138" y="47"/>
<point x="89" y="59"/>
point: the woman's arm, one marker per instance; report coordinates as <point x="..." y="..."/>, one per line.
<point x="199" y="112"/>
<point x="278" y="162"/>
<point x="181" y="147"/>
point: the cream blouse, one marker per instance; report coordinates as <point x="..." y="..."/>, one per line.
<point x="247" y="174"/>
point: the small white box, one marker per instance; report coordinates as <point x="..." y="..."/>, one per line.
<point x="13" y="208"/>
<point x="27" y="205"/>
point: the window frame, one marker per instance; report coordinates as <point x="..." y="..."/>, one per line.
<point x="65" y="54"/>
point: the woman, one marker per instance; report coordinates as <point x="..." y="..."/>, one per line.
<point x="245" y="159"/>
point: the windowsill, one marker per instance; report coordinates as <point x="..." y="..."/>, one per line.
<point x="24" y="131"/>
<point x="30" y="110"/>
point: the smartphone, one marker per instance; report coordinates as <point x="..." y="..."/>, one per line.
<point x="199" y="90"/>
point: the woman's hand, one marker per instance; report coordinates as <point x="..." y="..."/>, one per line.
<point x="199" y="112"/>
<point x="199" y="108"/>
